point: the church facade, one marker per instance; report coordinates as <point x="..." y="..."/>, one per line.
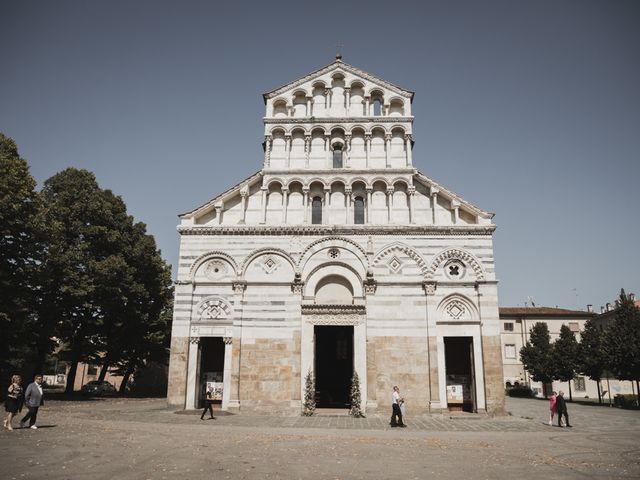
<point x="337" y="256"/>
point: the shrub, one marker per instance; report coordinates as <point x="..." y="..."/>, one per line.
<point x="520" y="391"/>
<point x="626" y="401"/>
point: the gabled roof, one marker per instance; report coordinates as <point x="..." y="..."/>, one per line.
<point x="542" y="312"/>
<point x="338" y="64"/>
<point x="432" y="183"/>
<point x="210" y="203"/>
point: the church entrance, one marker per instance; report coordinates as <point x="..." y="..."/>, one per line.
<point x="459" y="369"/>
<point x="333" y="365"/>
<point x="211" y="370"/>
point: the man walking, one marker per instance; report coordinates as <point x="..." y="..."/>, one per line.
<point x="33" y="398"/>
<point x="396" y="413"/>
<point x="561" y="406"/>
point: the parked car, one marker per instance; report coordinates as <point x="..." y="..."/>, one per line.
<point x="98" y="388"/>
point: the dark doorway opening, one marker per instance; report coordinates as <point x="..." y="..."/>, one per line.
<point x="459" y="369"/>
<point x="333" y="365"/>
<point x="211" y="369"/>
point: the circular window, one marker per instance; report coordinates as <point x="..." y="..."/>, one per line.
<point x="455" y="270"/>
<point x="333" y="253"/>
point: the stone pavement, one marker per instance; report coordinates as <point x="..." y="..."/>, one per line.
<point x="140" y="438"/>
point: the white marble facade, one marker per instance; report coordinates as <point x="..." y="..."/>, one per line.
<point x="337" y="229"/>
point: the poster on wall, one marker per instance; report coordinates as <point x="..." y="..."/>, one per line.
<point x="212" y="382"/>
<point x="455" y="394"/>
<point x="216" y="389"/>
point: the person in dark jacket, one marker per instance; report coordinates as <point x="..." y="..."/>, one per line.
<point x="33" y="398"/>
<point x="561" y="406"/>
<point x="208" y="405"/>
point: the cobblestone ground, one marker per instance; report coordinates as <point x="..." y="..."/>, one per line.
<point x="140" y="439"/>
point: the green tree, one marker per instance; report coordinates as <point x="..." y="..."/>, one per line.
<point x="565" y="354"/>
<point x="86" y="225"/>
<point x="354" y="397"/>
<point x="309" y="405"/>
<point x="591" y="355"/>
<point x="23" y="339"/>
<point x="622" y="341"/>
<point x="537" y="355"/>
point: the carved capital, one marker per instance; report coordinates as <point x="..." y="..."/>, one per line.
<point x="348" y="190"/>
<point x="387" y="137"/>
<point x="430" y="287"/>
<point x="367" y="137"/>
<point x="296" y="287"/>
<point x="239" y="286"/>
<point x="227" y="340"/>
<point x="369" y="190"/>
<point x="408" y="138"/>
<point x="411" y="190"/>
<point x="390" y="190"/>
<point x="194" y="340"/>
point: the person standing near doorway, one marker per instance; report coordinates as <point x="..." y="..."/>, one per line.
<point x="33" y="398"/>
<point x="396" y="413"/>
<point x="208" y="405"/>
<point x="561" y="406"/>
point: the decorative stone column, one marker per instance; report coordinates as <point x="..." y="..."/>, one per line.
<point x="434" y="202"/>
<point x="287" y="147"/>
<point x="307" y="150"/>
<point x="264" y="204"/>
<point x="367" y="107"/>
<point x="455" y="206"/>
<point x="219" y="207"/>
<point x="387" y="149"/>
<point x="309" y="101"/>
<point x="390" y="191"/>
<point x="367" y="209"/>
<point x="347" y="151"/>
<point x="348" y="193"/>
<point x="327" y="103"/>
<point x="367" y="148"/>
<point x="430" y="287"/>
<point x="408" y="145"/>
<point x="226" y="375"/>
<point x="235" y="348"/>
<point x="327" y="147"/>
<point x="285" y="196"/>
<point x="268" y="141"/>
<point x="411" y="192"/>
<point x="305" y="203"/>
<point x="244" y="193"/>
<point x="192" y="373"/>
<point x="325" y="205"/>
<point x="347" y="95"/>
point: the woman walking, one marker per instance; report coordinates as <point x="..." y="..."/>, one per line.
<point x="14" y="400"/>
<point x="553" y="408"/>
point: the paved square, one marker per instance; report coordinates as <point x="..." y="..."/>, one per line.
<point x="141" y="438"/>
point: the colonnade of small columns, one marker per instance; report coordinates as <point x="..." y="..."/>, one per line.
<point x="325" y="195"/>
<point x="351" y="193"/>
<point x="288" y="108"/>
<point x="329" y="147"/>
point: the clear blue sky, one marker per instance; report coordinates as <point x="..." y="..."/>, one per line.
<point x="527" y="109"/>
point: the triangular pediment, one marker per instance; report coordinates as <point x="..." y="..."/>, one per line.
<point x="342" y="67"/>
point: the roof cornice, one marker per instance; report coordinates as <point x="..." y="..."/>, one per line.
<point x="431" y="230"/>
<point x="338" y="64"/>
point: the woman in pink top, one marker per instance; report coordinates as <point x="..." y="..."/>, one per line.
<point x="552" y="407"/>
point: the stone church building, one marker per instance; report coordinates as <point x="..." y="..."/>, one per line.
<point x="338" y="255"/>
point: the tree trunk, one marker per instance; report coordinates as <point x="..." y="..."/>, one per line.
<point x="570" y="397"/>
<point x="599" y="393"/>
<point x="638" y="393"/>
<point x="104" y="369"/>
<point x="71" y="377"/>
<point x="125" y="380"/>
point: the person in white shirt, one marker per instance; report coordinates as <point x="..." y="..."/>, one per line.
<point x="396" y="413"/>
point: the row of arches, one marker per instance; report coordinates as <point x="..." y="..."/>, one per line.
<point x="335" y="183"/>
<point x="363" y="262"/>
<point x="338" y="97"/>
<point x="338" y="148"/>
<point x="338" y="129"/>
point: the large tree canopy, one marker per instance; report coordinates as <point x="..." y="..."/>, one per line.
<point x="537" y="355"/>
<point x="622" y="340"/>
<point x="20" y="251"/>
